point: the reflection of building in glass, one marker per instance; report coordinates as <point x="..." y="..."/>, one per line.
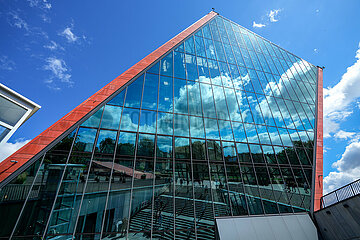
<point x="217" y="122"/>
<point x="15" y="109"/>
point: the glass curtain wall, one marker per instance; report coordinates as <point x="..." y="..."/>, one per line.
<point x="222" y="125"/>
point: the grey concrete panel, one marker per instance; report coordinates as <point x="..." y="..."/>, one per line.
<point x="341" y="220"/>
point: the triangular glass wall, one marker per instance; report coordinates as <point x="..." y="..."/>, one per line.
<point x="222" y="125"/>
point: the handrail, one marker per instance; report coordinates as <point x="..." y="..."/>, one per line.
<point x="340" y="194"/>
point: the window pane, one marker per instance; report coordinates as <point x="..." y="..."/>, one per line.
<point x="133" y="93"/>
<point x="111" y="117"/>
<point x="166" y="94"/>
<point x="150" y="95"/>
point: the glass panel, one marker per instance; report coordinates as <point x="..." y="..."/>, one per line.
<point x="111" y="117"/>
<point x="166" y="94"/>
<point x="150" y="95"/>
<point x="134" y="92"/>
<point x="129" y="119"/>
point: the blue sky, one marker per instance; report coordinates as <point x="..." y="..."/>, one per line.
<point x="58" y="53"/>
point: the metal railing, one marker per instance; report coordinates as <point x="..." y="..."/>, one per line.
<point x="345" y="192"/>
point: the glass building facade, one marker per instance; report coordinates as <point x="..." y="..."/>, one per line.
<point x="222" y="125"/>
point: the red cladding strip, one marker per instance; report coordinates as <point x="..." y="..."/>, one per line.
<point x="20" y="157"/>
<point x="319" y="144"/>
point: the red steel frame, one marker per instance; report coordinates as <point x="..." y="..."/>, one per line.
<point x="318" y="181"/>
<point x="27" y="152"/>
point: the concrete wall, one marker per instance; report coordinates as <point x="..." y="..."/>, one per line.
<point x="340" y="221"/>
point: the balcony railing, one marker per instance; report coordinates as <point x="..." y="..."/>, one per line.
<point x="345" y="192"/>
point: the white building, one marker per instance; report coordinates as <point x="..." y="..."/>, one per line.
<point x="15" y="109"/>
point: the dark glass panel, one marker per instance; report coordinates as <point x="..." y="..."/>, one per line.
<point x="179" y="65"/>
<point x="182" y="149"/>
<point x="13" y="196"/>
<point x="105" y="142"/>
<point x="203" y="200"/>
<point x="256" y="153"/>
<point x="150" y="95"/>
<point x="269" y="154"/>
<point x="243" y="152"/>
<point x="93" y="120"/>
<point x="181" y="125"/>
<point x="126" y="144"/>
<point x="37" y="209"/>
<point x="180" y="97"/>
<point x="291" y="187"/>
<point x="281" y="155"/>
<point x="146" y="144"/>
<point x="166" y="94"/>
<point x="293" y="159"/>
<point x="67" y="205"/>
<point x="219" y="190"/>
<point x="164" y="146"/>
<point x="184" y="200"/>
<point x="142" y="198"/>
<point x="214" y="150"/>
<point x="147" y="122"/>
<point x="198" y="149"/>
<point x="129" y="119"/>
<point x="134" y="92"/>
<point x="229" y="152"/>
<point x="252" y="190"/>
<point x="163" y="213"/>
<point x="237" y="196"/>
<point x="266" y="190"/>
<point x="279" y="189"/>
<point x="166" y="65"/>
<point x="111" y="117"/>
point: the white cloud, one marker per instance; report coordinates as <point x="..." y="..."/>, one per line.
<point x="59" y="72"/>
<point x="344" y="135"/>
<point x="348" y="168"/>
<point x="258" y="25"/>
<point x="273" y="14"/>
<point x="6" y="149"/>
<point x="43" y="4"/>
<point x="339" y="99"/>
<point x="53" y="46"/>
<point x="69" y="35"/>
<point x="16" y="21"/>
<point x="6" y="63"/>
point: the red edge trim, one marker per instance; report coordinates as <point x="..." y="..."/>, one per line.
<point x="24" y="154"/>
<point x="319" y="145"/>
